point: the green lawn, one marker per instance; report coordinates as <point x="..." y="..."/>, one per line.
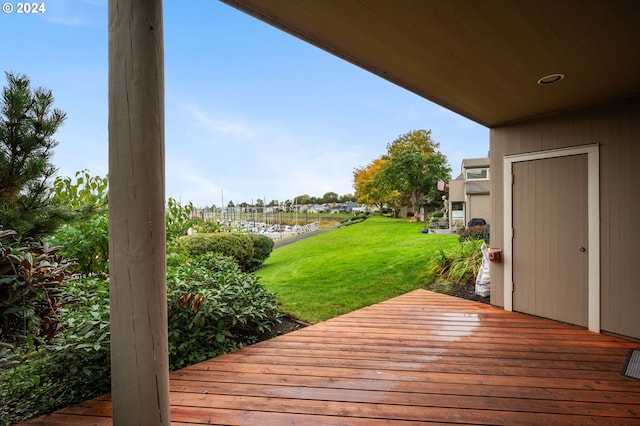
<point x="345" y="269"/>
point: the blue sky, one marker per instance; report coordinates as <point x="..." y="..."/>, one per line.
<point x="250" y="111"/>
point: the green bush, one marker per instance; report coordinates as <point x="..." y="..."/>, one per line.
<point x="459" y="265"/>
<point x="74" y="368"/>
<point x="30" y="280"/>
<point x="85" y="316"/>
<point x="437" y="214"/>
<point x="85" y="238"/>
<point x="262" y="248"/>
<point x="49" y="380"/>
<point x="239" y="246"/>
<point x="178" y="219"/>
<point x="354" y="219"/>
<point x="471" y="234"/>
<point x="214" y="308"/>
<point x="8" y="356"/>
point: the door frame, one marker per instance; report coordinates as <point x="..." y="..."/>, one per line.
<point x="593" y="223"/>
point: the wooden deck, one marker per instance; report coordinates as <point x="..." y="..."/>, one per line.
<point x="421" y="358"/>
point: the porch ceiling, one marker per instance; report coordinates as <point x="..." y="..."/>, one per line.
<point x="480" y="59"/>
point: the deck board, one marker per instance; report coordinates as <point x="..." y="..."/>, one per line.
<point x="421" y="358"/>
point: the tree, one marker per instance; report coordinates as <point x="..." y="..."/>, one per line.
<point x="28" y="122"/>
<point x="302" y="199"/>
<point x="371" y="185"/>
<point x="413" y="166"/>
<point x="330" y="197"/>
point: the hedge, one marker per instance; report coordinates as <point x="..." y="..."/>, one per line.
<point x="249" y="250"/>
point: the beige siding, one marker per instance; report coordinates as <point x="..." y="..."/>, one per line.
<point x="616" y="128"/>
<point x="479" y="206"/>
<point x="456" y="190"/>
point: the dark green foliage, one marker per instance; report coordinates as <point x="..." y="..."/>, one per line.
<point x="413" y="166"/>
<point x="8" y="356"/>
<point x="50" y="380"/>
<point x="471" y="234"/>
<point x="28" y="122"/>
<point x="354" y="219"/>
<point x="238" y="246"/>
<point x="30" y="281"/>
<point x="214" y="308"/>
<point x="178" y="219"/>
<point x="262" y="248"/>
<point x="85" y="238"/>
<point x="74" y="368"/>
<point x="457" y="266"/>
<point x="85" y="316"/>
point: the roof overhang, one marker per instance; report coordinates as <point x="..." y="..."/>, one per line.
<point x="480" y="59"/>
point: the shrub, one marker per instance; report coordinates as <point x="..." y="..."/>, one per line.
<point x="459" y="265"/>
<point x="30" y="280"/>
<point x="214" y="308"/>
<point x="178" y="219"/>
<point x="471" y="234"/>
<point x="76" y="367"/>
<point x="262" y="248"/>
<point x="85" y="238"/>
<point x="50" y="380"/>
<point x="8" y="356"/>
<point x="354" y="219"/>
<point x="85" y="316"/>
<point x="238" y="246"/>
<point x="437" y="214"/>
<point x="206" y="226"/>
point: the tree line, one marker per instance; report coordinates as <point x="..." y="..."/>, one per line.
<point x="327" y="198"/>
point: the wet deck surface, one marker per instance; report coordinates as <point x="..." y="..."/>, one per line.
<point x="421" y="358"/>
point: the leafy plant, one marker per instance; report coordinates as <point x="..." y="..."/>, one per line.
<point x="49" y="380"/>
<point x="471" y="234"/>
<point x="179" y="219"/>
<point x="74" y="367"/>
<point x="85" y="316"/>
<point x="30" y="280"/>
<point x="8" y="356"/>
<point x="459" y="265"/>
<point x="85" y="239"/>
<point x="214" y="307"/>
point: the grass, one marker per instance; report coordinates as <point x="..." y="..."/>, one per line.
<point x="348" y="268"/>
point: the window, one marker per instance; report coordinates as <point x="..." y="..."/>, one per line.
<point x="477" y="174"/>
<point x="457" y="205"/>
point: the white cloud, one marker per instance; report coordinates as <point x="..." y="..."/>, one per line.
<point x="217" y="126"/>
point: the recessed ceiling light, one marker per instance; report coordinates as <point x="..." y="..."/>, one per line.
<point x="550" y="79"/>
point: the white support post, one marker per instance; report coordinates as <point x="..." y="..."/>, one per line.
<point x="139" y="354"/>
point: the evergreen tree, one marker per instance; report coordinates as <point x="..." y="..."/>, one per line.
<point x="28" y="122"/>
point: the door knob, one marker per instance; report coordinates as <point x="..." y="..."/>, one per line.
<point x="582" y="249"/>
